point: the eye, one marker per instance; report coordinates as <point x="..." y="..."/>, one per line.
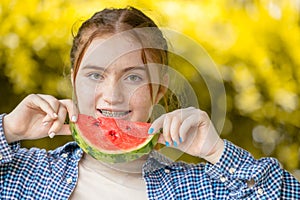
<point x="133" y="78"/>
<point x="95" y="76"/>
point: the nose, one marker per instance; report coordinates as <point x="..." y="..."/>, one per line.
<point x="112" y="92"/>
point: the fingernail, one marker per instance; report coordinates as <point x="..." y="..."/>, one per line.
<point x="180" y="140"/>
<point x="150" y="130"/>
<point x="167" y="144"/>
<point x="73" y="118"/>
<point x="52" y="134"/>
<point x="55" y="115"/>
<point x="45" y="123"/>
<point x="175" y="144"/>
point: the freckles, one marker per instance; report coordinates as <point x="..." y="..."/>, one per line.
<point x="141" y="98"/>
<point x="85" y="98"/>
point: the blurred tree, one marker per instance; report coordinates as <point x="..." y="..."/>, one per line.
<point x="255" y="45"/>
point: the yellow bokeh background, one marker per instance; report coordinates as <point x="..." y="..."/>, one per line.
<point x="255" y="45"/>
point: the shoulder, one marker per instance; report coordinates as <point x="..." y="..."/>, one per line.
<point x="70" y="150"/>
<point x="158" y="162"/>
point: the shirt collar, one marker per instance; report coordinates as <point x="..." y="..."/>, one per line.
<point x="73" y="147"/>
<point x="156" y="160"/>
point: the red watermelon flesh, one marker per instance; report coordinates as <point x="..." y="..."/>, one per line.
<point x="110" y="135"/>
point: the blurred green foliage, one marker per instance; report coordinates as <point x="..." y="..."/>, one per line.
<point x="255" y="45"/>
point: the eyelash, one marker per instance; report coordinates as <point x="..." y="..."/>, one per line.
<point x="92" y="76"/>
<point x="135" y="77"/>
<point x="131" y="78"/>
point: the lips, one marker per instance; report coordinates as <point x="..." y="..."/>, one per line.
<point x="115" y="114"/>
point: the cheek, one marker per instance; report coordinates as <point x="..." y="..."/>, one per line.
<point x="141" y="97"/>
<point x="141" y="104"/>
<point x="85" y="98"/>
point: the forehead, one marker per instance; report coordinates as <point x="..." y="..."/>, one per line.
<point x="105" y="51"/>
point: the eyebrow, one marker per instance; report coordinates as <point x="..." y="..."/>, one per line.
<point x="134" y="68"/>
<point x="93" y="67"/>
<point x="104" y="69"/>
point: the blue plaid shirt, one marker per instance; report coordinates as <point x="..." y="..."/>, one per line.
<point x="40" y="174"/>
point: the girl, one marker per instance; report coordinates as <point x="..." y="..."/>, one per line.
<point x="119" y="69"/>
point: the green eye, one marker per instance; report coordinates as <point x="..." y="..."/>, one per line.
<point x="95" y="76"/>
<point x="134" y="78"/>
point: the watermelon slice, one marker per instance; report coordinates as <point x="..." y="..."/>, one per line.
<point x="113" y="140"/>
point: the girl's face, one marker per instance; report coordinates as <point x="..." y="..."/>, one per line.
<point x="112" y="81"/>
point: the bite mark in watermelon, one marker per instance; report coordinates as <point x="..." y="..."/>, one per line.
<point x="113" y="140"/>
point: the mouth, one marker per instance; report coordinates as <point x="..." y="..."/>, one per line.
<point x="114" y="114"/>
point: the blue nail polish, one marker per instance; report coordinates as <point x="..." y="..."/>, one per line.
<point x="150" y="130"/>
<point x="180" y="140"/>
<point x="175" y="144"/>
<point x="167" y="144"/>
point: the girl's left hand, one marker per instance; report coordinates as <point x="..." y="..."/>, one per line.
<point x="191" y="131"/>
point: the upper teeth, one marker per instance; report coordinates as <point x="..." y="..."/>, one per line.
<point x="113" y="114"/>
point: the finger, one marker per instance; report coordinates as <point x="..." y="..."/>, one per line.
<point x="71" y="109"/>
<point x="210" y="136"/>
<point x="178" y="117"/>
<point x="52" y="101"/>
<point x="166" y="129"/>
<point x="186" y="125"/>
<point x="161" y="139"/>
<point x="37" y="102"/>
<point x="46" y="120"/>
<point x="59" y="122"/>
<point x="157" y="125"/>
<point x="174" y="130"/>
<point x="65" y="130"/>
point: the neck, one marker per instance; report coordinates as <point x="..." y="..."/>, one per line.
<point x="126" y="167"/>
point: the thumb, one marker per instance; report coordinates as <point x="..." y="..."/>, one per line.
<point x="161" y="139"/>
<point x="65" y="130"/>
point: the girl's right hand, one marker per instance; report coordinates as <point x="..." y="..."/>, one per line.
<point x="38" y="116"/>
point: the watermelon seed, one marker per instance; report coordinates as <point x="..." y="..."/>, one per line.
<point x="113" y="134"/>
<point x="96" y="124"/>
<point x="128" y="128"/>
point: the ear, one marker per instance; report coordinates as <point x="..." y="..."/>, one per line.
<point x="162" y="88"/>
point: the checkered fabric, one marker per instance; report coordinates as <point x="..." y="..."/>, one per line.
<point x="39" y="174"/>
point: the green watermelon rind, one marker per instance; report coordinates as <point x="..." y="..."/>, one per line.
<point x="113" y="158"/>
